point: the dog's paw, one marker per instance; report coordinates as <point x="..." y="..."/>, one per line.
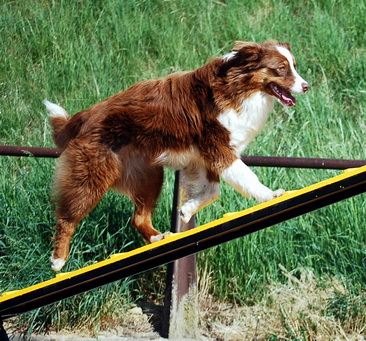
<point x="266" y="194"/>
<point x="278" y="193"/>
<point x="187" y="211"/>
<point x="57" y="264"/>
<point x="160" y="236"/>
<point x="185" y="216"/>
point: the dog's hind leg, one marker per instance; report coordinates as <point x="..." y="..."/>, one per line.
<point x="86" y="171"/>
<point x="144" y="192"/>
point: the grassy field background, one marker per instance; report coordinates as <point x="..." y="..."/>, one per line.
<point x="77" y="53"/>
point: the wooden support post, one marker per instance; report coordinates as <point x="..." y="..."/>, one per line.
<point x="181" y="299"/>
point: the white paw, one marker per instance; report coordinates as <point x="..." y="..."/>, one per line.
<point x="57" y="264"/>
<point x="277" y="193"/>
<point x="185" y="216"/>
<point x="160" y="236"/>
<point x="188" y="210"/>
<point x="265" y="194"/>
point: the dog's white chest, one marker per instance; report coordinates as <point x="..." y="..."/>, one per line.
<point x="249" y="121"/>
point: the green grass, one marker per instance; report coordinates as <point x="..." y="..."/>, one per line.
<point x="80" y="52"/>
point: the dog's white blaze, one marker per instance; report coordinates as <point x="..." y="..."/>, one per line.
<point x="55" y="110"/>
<point x="297" y="87"/>
<point x="244" y="125"/>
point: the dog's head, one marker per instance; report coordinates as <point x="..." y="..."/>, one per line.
<point x="269" y="67"/>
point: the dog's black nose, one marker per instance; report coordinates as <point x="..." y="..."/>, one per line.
<point x="305" y="87"/>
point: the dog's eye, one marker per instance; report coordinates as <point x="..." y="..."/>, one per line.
<point x="282" y="68"/>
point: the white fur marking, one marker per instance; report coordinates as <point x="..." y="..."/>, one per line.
<point x="246" y="124"/>
<point x="55" y="110"/>
<point x="57" y="264"/>
<point x="229" y="55"/>
<point x="201" y="200"/>
<point x="297" y="87"/>
<point x="202" y="191"/>
<point x="177" y="160"/>
<point x="160" y="236"/>
<point x="244" y="181"/>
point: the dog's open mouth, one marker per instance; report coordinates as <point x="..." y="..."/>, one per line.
<point x="283" y="95"/>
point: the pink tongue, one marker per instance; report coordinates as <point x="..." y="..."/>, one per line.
<point x="287" y="99"/>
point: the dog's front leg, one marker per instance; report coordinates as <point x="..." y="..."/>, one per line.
<point x="204" y="187"/>
<point x="239" y="176"/>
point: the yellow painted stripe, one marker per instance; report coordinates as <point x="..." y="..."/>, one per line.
<point x="173" y="237"/>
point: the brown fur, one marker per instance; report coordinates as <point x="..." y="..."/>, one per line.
<point x="115" y="143"/>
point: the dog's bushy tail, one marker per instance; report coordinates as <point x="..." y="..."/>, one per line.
<point x="59" y="118"/>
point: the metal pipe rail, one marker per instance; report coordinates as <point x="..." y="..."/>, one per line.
<point x="30" y="151"/>
<point x="262" y="161"/>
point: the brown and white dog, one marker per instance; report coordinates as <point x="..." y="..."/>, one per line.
<point x="198" y="121"/>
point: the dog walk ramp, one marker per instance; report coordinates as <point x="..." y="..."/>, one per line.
<point x="231" y="226"/>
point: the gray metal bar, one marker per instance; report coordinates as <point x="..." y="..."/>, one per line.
<point x="261" y="161"/>
<point x="302" y="162"/>
<point x="30" y="151"/>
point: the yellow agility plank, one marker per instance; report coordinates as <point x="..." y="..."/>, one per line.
<point x="232" y="225"/>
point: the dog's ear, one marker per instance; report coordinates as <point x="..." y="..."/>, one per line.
<point x="238" y="45"/>
<point x="250" y="51"/>
<point x="277" y="43"/>
<point x="287" y="45"/>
